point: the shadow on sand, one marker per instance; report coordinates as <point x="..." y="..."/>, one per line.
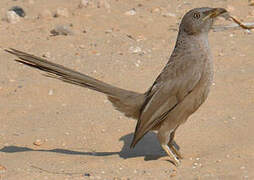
<point x="148" y="147"/>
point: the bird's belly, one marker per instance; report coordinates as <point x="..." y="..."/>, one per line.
<point x="183" y="110"/>
<point x="196" y="98"/>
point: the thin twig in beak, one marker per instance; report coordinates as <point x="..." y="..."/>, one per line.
<point x="208" y="16"/>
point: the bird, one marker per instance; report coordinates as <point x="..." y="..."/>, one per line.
<point x="179" y="90"/>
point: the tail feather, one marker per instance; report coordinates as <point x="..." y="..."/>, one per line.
<point x="127" y="102"/>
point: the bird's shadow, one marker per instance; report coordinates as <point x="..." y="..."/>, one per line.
<point x="148" y="147"/>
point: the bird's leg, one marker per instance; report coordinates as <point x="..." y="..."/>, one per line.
<point x="164" y="139"/>
<point x="172" y="145"/>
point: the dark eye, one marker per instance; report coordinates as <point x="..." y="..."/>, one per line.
<point x="196" y="15"/>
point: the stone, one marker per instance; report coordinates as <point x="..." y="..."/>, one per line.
<point x="12" y="17"/>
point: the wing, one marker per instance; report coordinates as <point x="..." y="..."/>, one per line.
<point x="174" y="83"/>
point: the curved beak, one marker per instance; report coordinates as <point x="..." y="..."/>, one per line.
<point x="215" y="12"/>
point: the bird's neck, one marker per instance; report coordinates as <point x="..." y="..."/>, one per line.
<point x="196" y="41"/>
<point x="193" y="46"/>
<point x="188" y="43"/>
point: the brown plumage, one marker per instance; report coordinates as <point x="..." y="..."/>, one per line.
<point x="178" y="91"/>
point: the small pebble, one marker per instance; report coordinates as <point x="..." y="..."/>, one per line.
<point x="141" y="38"/>
<point x="83" y="3"/>
<point x="61" y="12"/>
<point x="230" y="8"/>
<point x="195" y="164"/>
<point x="2" y="168"/>
<point x="61" y="30"/>
<point x="131" y="12"/>
<point x="221" y="54"/>
<point x="18" y="10"/>
<point x="138" y="63"/>
<point x="46" y="55"/>
<point x="217" y="161"/>
<point x="51" y="92"/>
<point x="108" y="31"/>
<point x="38" y="142"/>
<point x="105" y="4"/>
<point x="168" y="14"/>
<point x="156" y="10"/>
<point x="82" y="46"/>
<point x="87" y="174"/>
<point x="135" y="49"/>
<point x="12" y="17"/>
<point x="173" y="174"/>
<point x="242" y="167"/>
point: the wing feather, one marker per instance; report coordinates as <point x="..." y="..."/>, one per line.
<point x="169" y="89"/>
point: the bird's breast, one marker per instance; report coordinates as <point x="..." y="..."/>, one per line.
<point x="200" y="93"/>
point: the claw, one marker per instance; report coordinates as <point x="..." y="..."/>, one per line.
<point x="175" y="160"/>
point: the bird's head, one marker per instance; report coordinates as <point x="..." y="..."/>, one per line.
<point x="200" y="20"/>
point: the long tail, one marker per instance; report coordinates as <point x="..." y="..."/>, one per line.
<point x="127" y="102"/>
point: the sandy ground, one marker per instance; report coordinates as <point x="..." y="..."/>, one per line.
<point x="79" y="134"/>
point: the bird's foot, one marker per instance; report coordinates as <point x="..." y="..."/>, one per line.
<point x="174" y="159"/>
